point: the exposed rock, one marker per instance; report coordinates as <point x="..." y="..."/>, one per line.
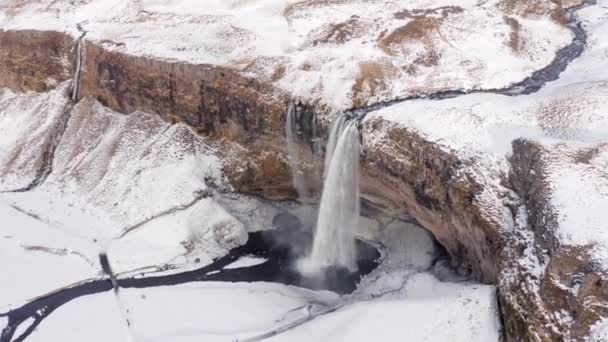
<point x="402" y="168"/>
<point x="206" y="97"/>
<point x="34" y="60"/>
<point x="442" y="162"/>
<point x="555" y="9"/>
<point x="564" y="293"/>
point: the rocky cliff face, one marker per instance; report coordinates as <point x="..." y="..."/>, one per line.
<point x="34" y="60"/>
<point x="403" y="170"/>
<point x="566" y="287"/>
<point x="495" y="218"/>
<point x="244" y="118"/>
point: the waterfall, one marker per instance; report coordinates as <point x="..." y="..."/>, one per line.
<point x="299" y="180"/>
<point x="334" y="135"/>
<point x="334" y="241"/>
<point x="78" y="69"/>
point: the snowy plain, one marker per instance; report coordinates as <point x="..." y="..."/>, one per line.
<point x="402" y="289"/>
<point x="469" y="49"/>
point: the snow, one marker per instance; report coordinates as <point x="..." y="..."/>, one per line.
<point x="20" y="330"/>
<point x="246" y="261"/>
<point x="37" y="258"/>
<point x="163" y="241"/>
<point x="145" y="191"/>
<point x="400" y="298"/>
<point x="112" y="176"/>
<point x="305" y="39"/>
<point x="579" y="194"/>
<point x="568" y="109"/>
<point x="94" y="318"/>
<point x="3" y="323"/>
<point x="599" y="331"/>
<point x="178" y="313"/>
<point x="212" y="223"/>
<point x="128" y="160"/>
<point x="59" y="228"/>
<point x="567" y="116"/>
<point x="27" y="123"/>
<point x="430" y="311"/>
<point x="240" y="308"/>
<point x="105" y="159"/>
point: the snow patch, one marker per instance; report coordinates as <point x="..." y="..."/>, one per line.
<point x="246" y="261"/>
<point x="599" y="331"/>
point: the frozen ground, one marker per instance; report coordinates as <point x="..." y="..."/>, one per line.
<point x="568" y="117"/>
<point x="339" y="53"/>
<point x="37" y="258"/>
<point x="401" y="296"/>
<point x="152" y="196"/>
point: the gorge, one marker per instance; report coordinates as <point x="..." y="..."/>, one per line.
<point x="186" y="146"/>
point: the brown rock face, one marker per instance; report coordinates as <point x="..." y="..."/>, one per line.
<point x="563" y="292"/>
<point x="204" y="96"/>
<point x="405" y="171"/>
<point x="243" y="118"/>
<point x="34" y="60"/>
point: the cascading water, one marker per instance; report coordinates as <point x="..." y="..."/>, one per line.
<point x="299" y="180"/>
<point x="334" y="241"/>
<point x="334" y="135"/>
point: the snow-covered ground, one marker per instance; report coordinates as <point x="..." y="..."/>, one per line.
<point x="146" y="192"/>
<point x="567" y="116"/>
<point x="42" y="255"/>
<point x="340" y="53"/>
<point x="401" y="296"/>
<point x="37" y="258"/>
<point x="111" y="176"/>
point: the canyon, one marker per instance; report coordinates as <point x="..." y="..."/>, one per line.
<point x="483" y="123"/>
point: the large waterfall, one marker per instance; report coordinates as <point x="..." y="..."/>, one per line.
<point x="332" y="141"/>
<point x="299" y="180"/>
<point x="334" y="242"/>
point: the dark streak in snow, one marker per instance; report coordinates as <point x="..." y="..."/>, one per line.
<point x="280" y="268"/>
<point x="530" y="85"/>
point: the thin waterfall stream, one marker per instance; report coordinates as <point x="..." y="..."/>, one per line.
<point x="299" y="180"/>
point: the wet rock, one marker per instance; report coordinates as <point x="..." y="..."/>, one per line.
<point x="286" y="221"/>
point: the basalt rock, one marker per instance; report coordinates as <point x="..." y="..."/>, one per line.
<point x="35" y="60"/>
<point x="550" y="289"/>
<point x="243" y="118"/>
<point x="403" y="170"/>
